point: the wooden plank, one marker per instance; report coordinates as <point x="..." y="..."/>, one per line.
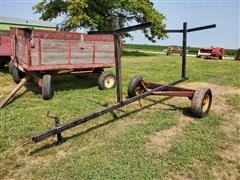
<point x="57" y="58"/>
<point x="12" y="92"/>
<point x="104" y="57"/>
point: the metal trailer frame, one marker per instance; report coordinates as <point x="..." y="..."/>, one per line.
<point x="150" y="88"/>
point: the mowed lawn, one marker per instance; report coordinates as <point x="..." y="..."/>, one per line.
<point x="161" y="140"/>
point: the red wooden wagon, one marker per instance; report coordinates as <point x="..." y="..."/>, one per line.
<point x="42" y="53"/>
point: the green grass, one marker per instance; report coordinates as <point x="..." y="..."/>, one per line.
<point x="112" y="146"/>
<point x="234" y="100"/>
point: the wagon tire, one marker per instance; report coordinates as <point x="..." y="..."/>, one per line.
<point x="106" y="80"/>
<point x="16" y="74"/>
<point x="135" y="87"/>
<point x="10" y="67"/>
<point x="201" y="102"/>
<point x="47" y="92"/>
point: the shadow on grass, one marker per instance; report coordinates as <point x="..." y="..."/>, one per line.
<point x="136" y="53"/>
<point x="185" y="111"/>
<point x="65" y="83"/>
<point x="4" y="69"/>
<point x="59" y="84"/>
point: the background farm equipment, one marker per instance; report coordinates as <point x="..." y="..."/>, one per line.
<point x="173" y="50"/>
<point x="211" y="53"/>
<point x="138" y="88"/>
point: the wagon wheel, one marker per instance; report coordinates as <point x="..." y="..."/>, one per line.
<point x="47" y="92"/>
<point x="106" y="80"/>
<point x="201" y="102"/>
<point x="16" y="74"/>
<point x="135" y="87"/>
<point x="10" y="67"/>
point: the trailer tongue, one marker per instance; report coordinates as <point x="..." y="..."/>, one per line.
<point x="138" y="88"/>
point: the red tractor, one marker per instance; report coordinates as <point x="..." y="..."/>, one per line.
<point x="211" y="53"/>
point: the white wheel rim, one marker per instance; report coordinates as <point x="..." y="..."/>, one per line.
<point x="109" y="82"/>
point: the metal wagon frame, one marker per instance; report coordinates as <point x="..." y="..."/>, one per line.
<point x="146" y="88"/>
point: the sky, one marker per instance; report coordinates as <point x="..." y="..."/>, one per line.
<point x="224" y="13"/>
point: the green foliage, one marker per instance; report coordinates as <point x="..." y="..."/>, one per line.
<point x="99" y="15"/>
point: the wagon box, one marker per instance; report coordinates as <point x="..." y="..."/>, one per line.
<point x="42" y="53"/>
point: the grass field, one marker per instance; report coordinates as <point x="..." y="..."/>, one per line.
<point x="158" y="48"/>
<point x="161" y="140"/>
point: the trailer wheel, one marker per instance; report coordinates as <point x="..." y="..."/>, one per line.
<point x="201" y="102"/>
<point x="16" y="74"/>
<point x="47" y="92"/>
<point x="135" y="87"/>
<point x="106" y="80"/>
<point x="10" y="67"/>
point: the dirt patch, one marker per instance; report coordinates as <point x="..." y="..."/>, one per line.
<point x="162" y="141"/>
<point x="228" y="165"/>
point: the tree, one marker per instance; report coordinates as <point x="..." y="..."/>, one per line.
<point x="99" y="14"/>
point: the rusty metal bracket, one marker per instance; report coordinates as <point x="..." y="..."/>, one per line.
<point x="57" y="124"/>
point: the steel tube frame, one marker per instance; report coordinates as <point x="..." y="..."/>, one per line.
<point x="120" y="102"/>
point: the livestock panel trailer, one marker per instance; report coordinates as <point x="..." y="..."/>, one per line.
<point x="40" y="54"/>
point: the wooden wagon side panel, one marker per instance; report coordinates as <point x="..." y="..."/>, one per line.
<point x="5" y="44"/>
<point x="22" y="47"/>
<point x="81" y="52"/>
<point x="53" y="52"/>
<point x="104" y="52"/>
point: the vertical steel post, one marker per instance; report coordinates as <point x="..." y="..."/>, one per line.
<point x="184" y="50"/>
<point x="118" y="67"/>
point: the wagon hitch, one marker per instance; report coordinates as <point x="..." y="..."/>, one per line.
<point x="57" y="124"/>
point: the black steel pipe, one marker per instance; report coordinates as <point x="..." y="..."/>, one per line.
<point x="118" y="68"/>
<point x="202" y="28"/>
<point x="184" y="50"/>
<point x="173" y="31"/>
<point x="123" y="30"/>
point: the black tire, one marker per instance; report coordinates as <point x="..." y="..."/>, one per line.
<point x="16" y="75"/>
<point x="10" y="67"/>
<point x="47" y="92"/>
<point x="201" y="102"/>
<point x="106" y="80"/>
<point x="135" y="87"/>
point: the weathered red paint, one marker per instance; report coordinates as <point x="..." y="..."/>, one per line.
<point x="170" y="90"/>
<point x="85" y="45"/>
<point x="5" y="44"/>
